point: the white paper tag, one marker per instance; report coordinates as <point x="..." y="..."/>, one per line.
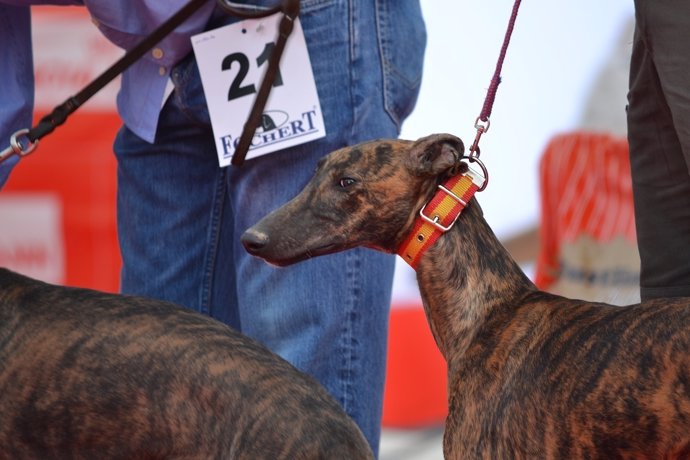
<point x="232" y="61"/>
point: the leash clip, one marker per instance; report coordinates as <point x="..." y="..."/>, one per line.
<point x="481" y="128"/>
<point x="20" y="145"/>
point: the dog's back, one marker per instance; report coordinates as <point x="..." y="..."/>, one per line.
<point x="85" y="374"/>
<point x="560" y="378"/>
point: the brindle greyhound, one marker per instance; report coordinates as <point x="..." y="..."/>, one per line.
<point x="530" y="374"/>
<point x="87" y="375"/>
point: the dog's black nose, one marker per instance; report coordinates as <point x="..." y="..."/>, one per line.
<point x="254" y="241"/>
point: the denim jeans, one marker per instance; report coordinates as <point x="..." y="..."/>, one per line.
<point x="180" y="216"/>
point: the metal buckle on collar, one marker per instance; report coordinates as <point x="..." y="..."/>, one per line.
<point x="479" y="179"/>
<point x="435" y="220"/>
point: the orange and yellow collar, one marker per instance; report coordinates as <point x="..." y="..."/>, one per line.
<point x="439" y="215"/>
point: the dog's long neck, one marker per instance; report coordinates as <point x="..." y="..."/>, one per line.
<point x="465" y="277"/>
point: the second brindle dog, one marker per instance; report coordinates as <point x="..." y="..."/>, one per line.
<point x="530" y="374"/>
<point x="91" y="375"/>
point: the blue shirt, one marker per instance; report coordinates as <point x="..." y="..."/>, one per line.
<point x="16" y="78"/>
<point x="125" y="24"/>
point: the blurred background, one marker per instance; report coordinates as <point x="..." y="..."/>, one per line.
<point x="562" y="97"/>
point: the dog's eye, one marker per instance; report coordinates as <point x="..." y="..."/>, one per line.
<point x="346" y="182"/>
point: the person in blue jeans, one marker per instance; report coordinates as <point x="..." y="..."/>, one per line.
<point x="180" y="215"/>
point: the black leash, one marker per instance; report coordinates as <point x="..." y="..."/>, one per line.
<point x="290" y="12"/>
<point x="25" y="141"/>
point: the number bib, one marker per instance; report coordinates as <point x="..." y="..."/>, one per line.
<point x="232" y="61"/>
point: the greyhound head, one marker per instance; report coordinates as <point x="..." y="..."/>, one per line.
<point x="366" y="195"/>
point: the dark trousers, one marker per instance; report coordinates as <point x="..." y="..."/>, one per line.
<point x="659" y="137"/>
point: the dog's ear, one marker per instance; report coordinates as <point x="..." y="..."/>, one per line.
<point x="436" y="154"/>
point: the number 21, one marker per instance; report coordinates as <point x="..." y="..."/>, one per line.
<point x="236" y="89"/>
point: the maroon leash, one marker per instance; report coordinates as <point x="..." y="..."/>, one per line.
<point x="482" y="123"/>
<point x="453" y="195"/>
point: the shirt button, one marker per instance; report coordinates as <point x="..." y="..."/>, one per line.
<point x="162" y="71"/>
<point x="157" y="53"/>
